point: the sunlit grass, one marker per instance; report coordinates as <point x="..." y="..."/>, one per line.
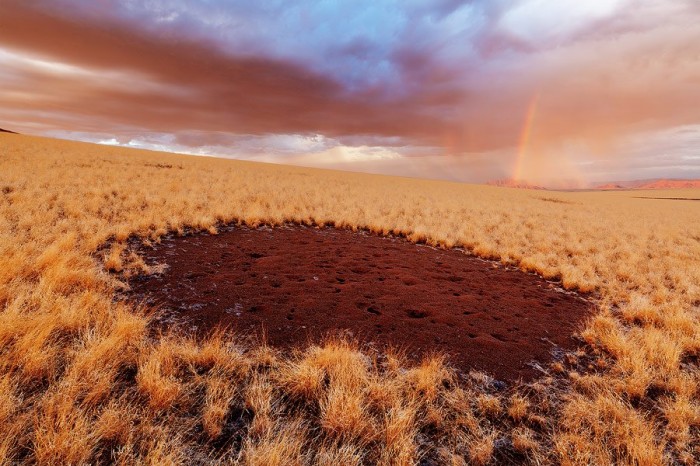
<point x="82" y="381"/>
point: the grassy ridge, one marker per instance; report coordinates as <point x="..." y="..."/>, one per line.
<point x="82" y="382"/>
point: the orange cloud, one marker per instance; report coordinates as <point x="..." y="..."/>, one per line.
<point x="601" y="79"/>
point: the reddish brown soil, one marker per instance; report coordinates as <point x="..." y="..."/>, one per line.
<point x="299" y="284"/>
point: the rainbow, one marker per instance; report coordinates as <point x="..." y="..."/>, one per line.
<point x="524" y="141"/>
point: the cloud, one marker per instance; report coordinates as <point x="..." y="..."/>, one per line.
<point x="452" y="78"/>
<point x="554" y="22"/>
<point x="215" y="91"/>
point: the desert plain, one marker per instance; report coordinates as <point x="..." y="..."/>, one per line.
<point x="109" y="352"/>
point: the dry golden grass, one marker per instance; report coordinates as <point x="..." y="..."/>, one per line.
<point x="83" y="382"/>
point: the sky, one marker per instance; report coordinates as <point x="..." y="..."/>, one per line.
<point x="553" y="92"/>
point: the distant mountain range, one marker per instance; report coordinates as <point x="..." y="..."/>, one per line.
<point x="659" y="183"/>
<point x="656" y="183"/>
<point x="6" y="131"/>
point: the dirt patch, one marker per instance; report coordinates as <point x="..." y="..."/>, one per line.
<point x="298" y="284"/>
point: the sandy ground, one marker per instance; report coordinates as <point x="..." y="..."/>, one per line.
<point x="294" y="285"/>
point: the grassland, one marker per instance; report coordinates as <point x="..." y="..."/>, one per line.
<point x="83" y="381"/>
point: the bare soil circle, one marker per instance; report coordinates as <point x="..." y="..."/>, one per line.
<point x="293" y="285"/>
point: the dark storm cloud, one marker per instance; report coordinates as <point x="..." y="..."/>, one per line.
<point x="449" y="77"/>
<point x="191" y="84"/>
